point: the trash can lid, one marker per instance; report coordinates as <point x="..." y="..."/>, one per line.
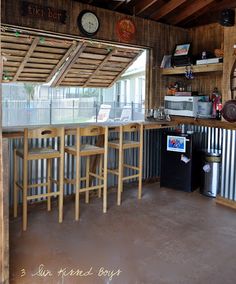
<point x="213" y="153"/>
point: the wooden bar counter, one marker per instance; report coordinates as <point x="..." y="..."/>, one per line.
<point x="17" y="132"/>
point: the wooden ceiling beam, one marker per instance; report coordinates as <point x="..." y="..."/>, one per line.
<point x="105" y="60"/>
<point x="66" y="67"/>
<point x="190" y="10"/>
<point x="27" y="56"/>
<point x="143" y="5"/>
<point x="166" y="9"/>
<point x="211" y="11"/>
<point x="117" y="5"/>
<point x="60" y="63"/>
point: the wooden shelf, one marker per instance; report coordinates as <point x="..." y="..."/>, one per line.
<point x="204" y="68"/>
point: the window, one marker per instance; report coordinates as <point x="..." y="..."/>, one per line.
<point x="34" y="104"/>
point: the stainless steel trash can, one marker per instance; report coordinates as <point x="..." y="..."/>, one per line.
<point x="212" y="172"/>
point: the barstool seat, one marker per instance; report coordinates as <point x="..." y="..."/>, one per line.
<point x="38" y="151"/>
<point x="85" y="149"/>
<point x="126" y="144"/>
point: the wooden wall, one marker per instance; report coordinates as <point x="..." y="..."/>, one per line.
<point x="160" y="38"/>
<point x="206" y="37"/>
<point x="229" y="58"/>
<point x="209" y="38"/>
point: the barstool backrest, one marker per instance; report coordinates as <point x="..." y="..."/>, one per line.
<point x="87" y="131"/>
<point x="131" y="127"/>
<point x="44" y="133"/>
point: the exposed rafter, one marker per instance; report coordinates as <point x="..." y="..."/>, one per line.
<point x="123" y="71"/>
<point x="192" y="8"/>
<point x="27" y="56"/>
<point x="167" y="8"/>
<point x="209" y="12"/>
<point x="117" y="5"/>
<point x="144" y="5"/>
<point x="60" y="63"/>
<point x="65" y="68"/>
<point x="106" y="59"/>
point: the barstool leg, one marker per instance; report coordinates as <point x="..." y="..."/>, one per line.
<point x="77" y="188"/>
<point x="105" y="171"/>
<point x="100" y="173"/>
<point x="49" y="183"/>
<point x="140" y="173"/>
<point x="25" y="181"/>
<point x="120" y="177"/>
<point x="87" y="179"/>
<point x="15" y="186"/>
<point x="140" y="163"/>
<point x="61" y="187"/>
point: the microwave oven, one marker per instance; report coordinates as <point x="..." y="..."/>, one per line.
<point x="182" y="105"/>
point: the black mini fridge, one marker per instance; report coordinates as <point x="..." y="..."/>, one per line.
<point x="180" y="164"/>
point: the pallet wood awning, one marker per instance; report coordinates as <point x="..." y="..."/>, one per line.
<point x="62" y="61"/>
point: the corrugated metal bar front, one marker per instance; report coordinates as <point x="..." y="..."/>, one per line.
<point x="228" y="181"/>
<point x="205" y="138"/>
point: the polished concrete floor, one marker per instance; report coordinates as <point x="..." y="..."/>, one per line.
<point x="167" y="237"/>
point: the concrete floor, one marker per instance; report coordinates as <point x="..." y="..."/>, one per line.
<point x="167" y="237"/>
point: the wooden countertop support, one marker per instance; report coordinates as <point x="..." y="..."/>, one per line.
<point x="203" y="122"/>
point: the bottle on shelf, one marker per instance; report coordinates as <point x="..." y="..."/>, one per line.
<point x="218" y="111"/>
<point x="216" y="100"/>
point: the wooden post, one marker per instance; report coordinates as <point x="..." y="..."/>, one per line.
<point x="4" y="213"/>
<point x="4" y="207"/>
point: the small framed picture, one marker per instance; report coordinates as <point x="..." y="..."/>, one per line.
<point x="166" y="61"/>
<point x="176" y="143"/>
<point x="182" y="49"/>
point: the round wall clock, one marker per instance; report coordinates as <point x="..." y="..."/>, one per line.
<point x="125" y="29"/>
<point x="88" y="23"/>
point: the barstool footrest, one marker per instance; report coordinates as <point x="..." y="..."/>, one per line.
<point x="96" y="176"/>
<point x="131" y="167"/>
<point x="42" y="195"/>
<point x="91" y="188"/>
<point x="130" y="177"/>
<point x="113" y="171"/>
<point x="32" y="185"/>
<point x="72" y="181"/>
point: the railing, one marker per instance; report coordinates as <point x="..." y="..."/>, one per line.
<point x="18" y="113"/>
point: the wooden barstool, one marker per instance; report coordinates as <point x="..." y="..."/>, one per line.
<point x="121" y="145"/>
<point x="28" y="153"/>
<point x="80" y="150"/>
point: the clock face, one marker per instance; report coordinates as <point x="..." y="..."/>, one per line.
<point x="88" y="23"/>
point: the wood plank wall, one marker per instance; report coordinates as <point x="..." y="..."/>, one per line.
<point x="209" y="38"/>
<point x="229" y="59"/>
<point x="160" y="38"/>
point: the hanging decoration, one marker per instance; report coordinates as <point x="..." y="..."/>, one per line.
<point x="42" y="39"/>
<point x="125" y="29"/>
<point x="6" y="77"/>
<point x="17" y="33"/>
<point x="189" y="72"/>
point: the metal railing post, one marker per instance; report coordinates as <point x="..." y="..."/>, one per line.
<point x="132" y="110"/>
<point x="50" y="110"/>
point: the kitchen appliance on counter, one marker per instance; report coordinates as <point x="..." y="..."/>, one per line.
<point x="182" y="105"/>
<point x="180" y="162"/>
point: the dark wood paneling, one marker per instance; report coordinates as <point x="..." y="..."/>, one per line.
<point x="207" y="37"/>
